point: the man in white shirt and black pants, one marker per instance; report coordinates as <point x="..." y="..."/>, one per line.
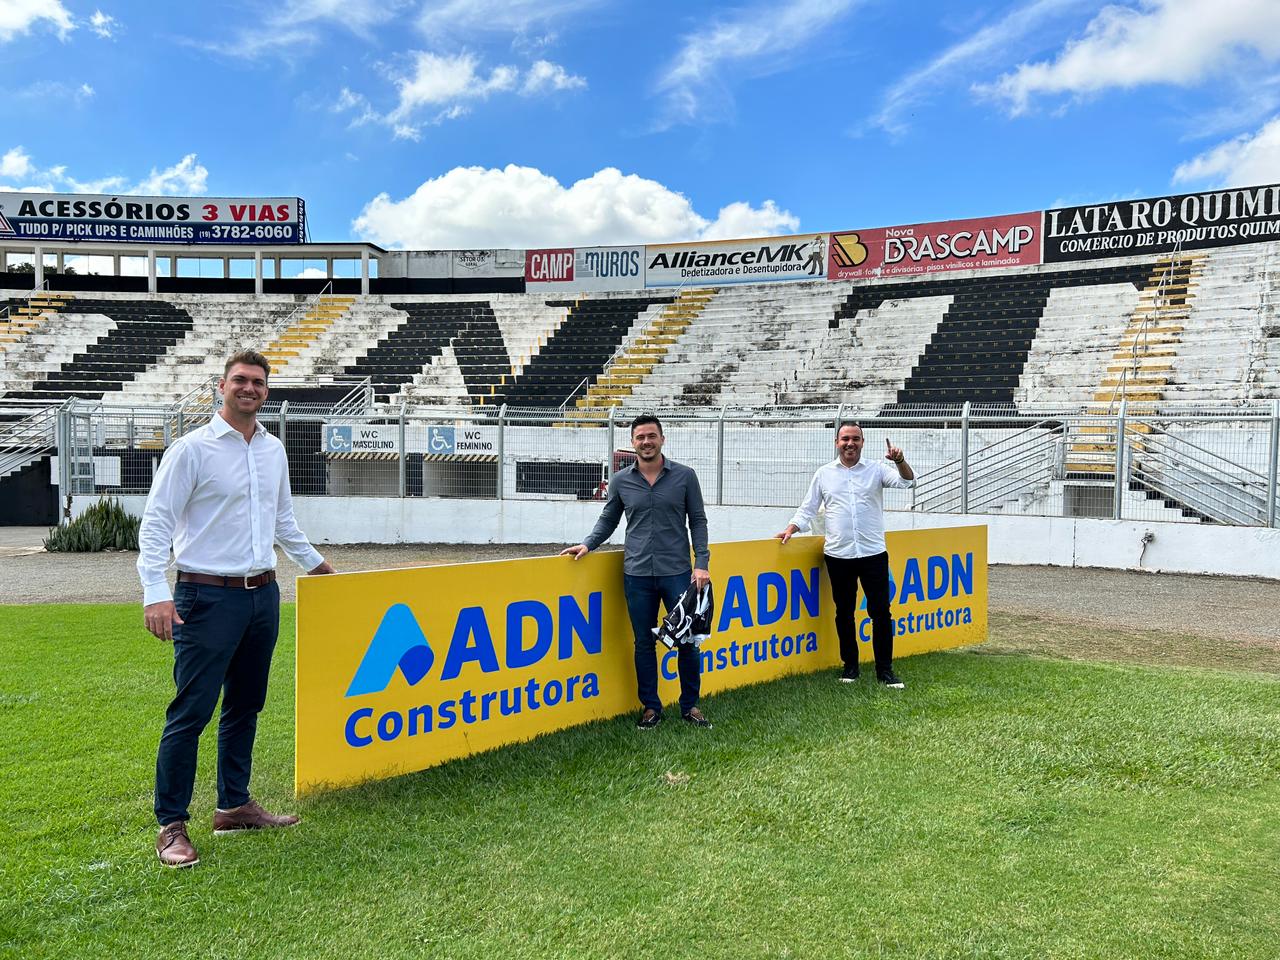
<point x="852" y="491"/>
<point x="221" y="498"/>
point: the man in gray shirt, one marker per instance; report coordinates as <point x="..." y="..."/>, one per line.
<point x="663" y="504"/>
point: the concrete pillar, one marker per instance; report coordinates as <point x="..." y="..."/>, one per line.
<point x="328" y="268"/>
<point x="62" y="262"/>
<point x="173" y="266"/>
<point x="151" y="270"/>
<point x="115" y="264"/>
<point x="37" y="257"/>
<point x="257" y="273"/>
<point x="226" y="268"/>
<point x="364" y="272"/>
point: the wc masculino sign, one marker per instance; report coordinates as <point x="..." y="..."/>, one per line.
<point x="122" y="219"/>
<point x="400" y="670"/>
<point x="1155" y="225"/>
<point x="736" y="261"/>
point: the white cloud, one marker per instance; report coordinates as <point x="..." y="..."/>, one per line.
<point x="186" y="177"/>
<point x="1180" y="42"/>
<point x="1246" y="160"/>
<point x="438" y="81"/>
<point x="16" y="164"/>
<point x="103" y="24"/>
<point x="438" y="88"/>
<point x="545" y="75"/>
<point x="524" y="207"/>
<point x="761" y="38"/>
<point x="47" y="91"/>
<point x="17" y="17"/>
<point x="467" y="17"/>
<point x="986" y="44"/>
<point x="298" y="23"/>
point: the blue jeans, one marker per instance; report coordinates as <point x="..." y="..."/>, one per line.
<point x="643" y="594"/>
<point x="224" y="646"/>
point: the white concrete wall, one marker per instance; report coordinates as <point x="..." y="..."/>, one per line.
<point x="1050" y="541"/>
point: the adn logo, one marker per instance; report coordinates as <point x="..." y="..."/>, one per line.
<point x="399" y="643"/>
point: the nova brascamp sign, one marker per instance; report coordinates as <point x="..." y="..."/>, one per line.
<point x="399" y="670"/>
<point x="122" y="219"/>
<point x="737" y="261"/>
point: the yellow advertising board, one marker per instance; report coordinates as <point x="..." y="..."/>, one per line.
<point x="399" y="670"/>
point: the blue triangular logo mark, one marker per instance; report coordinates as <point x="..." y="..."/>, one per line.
<point x="398" y="643"/>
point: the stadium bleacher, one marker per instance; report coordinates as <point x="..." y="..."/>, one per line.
<point x="1020" y="336"/>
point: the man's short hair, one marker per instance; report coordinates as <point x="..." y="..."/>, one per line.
<point x="250" y="357"/>
<point x="848" y="423"/>
<point x="646" y="418"/>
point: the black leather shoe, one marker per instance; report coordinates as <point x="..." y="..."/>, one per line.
<point x="849" y="674"/>
<point x="890" y="679"/>
<point x="648" y="720"/>
<point x="696" y="718"/>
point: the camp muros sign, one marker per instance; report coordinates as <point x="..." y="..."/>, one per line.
<point x="1162" y="224"/>
<point x="99" y="217"/>
<point x="400" y="670"/>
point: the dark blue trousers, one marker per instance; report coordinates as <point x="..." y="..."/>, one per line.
<point x="643" y="594"/>
<point x="224" y="647"/>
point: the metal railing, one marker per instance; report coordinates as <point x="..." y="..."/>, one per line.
<point x="304" y="306"/>
<point x="6" y="310"/>
<point x="1190" y="463"/>
<point x="23" y="441"/>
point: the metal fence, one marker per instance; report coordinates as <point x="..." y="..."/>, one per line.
<point x="1159" y="462"/>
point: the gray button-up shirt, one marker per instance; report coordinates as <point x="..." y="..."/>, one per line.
<point x="657" y="538"/>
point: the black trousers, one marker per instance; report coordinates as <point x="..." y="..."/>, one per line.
<point x="873" y="573"/>
<point x="224" y="647"/>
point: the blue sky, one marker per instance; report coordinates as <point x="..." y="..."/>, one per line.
<point x="446" y="123"/>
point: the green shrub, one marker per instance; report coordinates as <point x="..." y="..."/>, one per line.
<point x="104" y="526"/>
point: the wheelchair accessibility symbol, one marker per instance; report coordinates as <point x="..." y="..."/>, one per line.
<point x="338" y="440"/>
<point x="440" y="440"/>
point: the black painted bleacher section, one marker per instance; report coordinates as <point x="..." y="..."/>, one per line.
<point x="980" y="348"/>
<point x="144" y="331"/>
<point x="578" y="350"/>
<point x="468" y="326"/>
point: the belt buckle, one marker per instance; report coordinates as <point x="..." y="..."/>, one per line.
<point x="247" y="585"/>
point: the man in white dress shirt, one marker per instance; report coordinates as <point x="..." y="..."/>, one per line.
<point x="221" y="499"/>
<point x="852" y="492"/>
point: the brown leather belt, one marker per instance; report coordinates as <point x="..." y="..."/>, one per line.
<point x="213" y="580"/>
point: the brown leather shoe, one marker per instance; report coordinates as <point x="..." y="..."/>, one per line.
<point x="174" y="847"/>
<point x="250" y="816"/>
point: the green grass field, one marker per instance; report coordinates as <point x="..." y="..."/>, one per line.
<point x="1007" y="805"/>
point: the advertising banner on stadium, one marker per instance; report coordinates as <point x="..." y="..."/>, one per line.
<point x="736" y="261"/>
<point x="1215" y="218"/>
<point x="400" y="670"/>
<point x="588" y="269"/>
<point x="61" y="217"/>
<point x="1008" y="241"/>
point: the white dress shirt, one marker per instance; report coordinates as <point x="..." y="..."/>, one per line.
<point x="221" y="502"/>
<point x="854" y="501"/>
